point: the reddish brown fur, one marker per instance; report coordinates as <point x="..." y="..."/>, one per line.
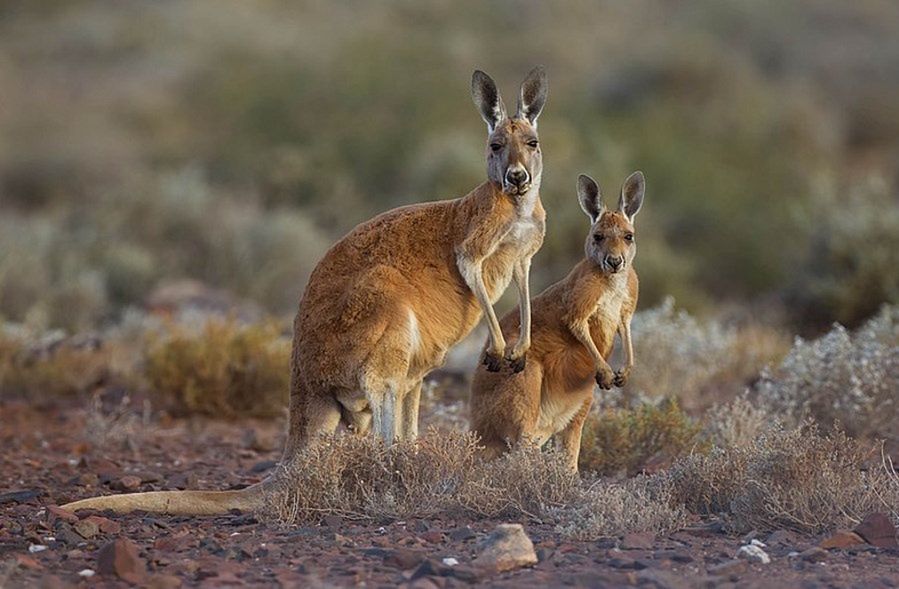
<point x="388" y="300"/>
<point x="554" y="393"/>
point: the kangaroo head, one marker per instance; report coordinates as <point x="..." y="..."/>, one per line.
<point x="611" y="243"/>
<point x="514" y="161"/>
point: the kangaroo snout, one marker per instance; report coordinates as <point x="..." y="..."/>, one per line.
<point x="517" y="178"/>
<point x="615" y="263"/>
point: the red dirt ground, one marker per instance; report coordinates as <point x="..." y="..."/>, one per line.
<point x="49" y="455"/>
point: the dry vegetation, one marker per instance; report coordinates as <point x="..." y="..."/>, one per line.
<point x="647" y="466"/>
<point x="224" y="369"/>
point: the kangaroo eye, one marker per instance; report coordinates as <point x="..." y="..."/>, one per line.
<point x="533" y="144"/>
<point x="629" y="237"/>
<point x="597" y="238"/>
<point x="496" y="146"/>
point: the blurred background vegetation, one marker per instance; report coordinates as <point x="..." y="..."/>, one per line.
<point x="232" y="142"/>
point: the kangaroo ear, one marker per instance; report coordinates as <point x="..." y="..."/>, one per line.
<point x="632" y="195"/>
<point x="533" y="95"/>
<point x="588" y="194"/>
<point x="486" y="97"/>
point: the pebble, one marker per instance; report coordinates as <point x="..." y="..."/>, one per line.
<point x="33" y="548"/>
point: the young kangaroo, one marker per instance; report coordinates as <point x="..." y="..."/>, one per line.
<point x="574" y="325"/>
<point x="388" y="300"/>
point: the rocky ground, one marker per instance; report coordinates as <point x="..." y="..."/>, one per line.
<point x="55" y="454"/>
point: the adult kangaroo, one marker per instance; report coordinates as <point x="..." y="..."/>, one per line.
<point x="388" y="300"/>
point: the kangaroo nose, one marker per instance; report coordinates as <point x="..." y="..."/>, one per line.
<point x="516" y="176"/>
<point x="614" y="262"/>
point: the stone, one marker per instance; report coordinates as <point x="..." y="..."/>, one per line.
<point x="813" y="554"/>
<point x="842" y="539"/>
<point x="404" y="559"/>
<point x="120" y="558"/>
<point x="64" y="515"/>
<point x="753" y="553"/>
<point x="638" y="541"/>
<point x="22" y="496"/>
<point x="127" y="483"/>
<point x="506" y="548"/>
<point x="462" y="534"/>
<point x="728" y="567"/>
<point x="878" y="530"/>
<point x="86" y="528"/>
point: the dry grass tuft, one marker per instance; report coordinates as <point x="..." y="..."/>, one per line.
<point x="788" y="478"/>
<point x="441" y="473"/>
<point x="630" y="441"/>
<point x="224" y="369"/>
<point x="30" y="368"/>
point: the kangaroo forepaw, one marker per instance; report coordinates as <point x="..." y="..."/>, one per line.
<point x="621" y="378"/>
<point x="605" y="378"/>
<point x="518" y="364"/>
<point x="492" y="362"/>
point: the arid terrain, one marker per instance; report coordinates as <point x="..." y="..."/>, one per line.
<point x="47" y="461"/>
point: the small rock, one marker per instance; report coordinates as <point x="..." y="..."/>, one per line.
<point x="149" y="476"/>
<point x="433" y="537"/>
<point x="506" y="548"/>
<point x="626" y="563"/>
<point x="462" y="534"/>
<point x="877" y="530"/>
<point x="28" y="562"/>
<point x="22" y="496"/>
<point x="66" y="516"/>
<point x="638" y="541"/>
<point x="87" y="573"/>
<point x="86" y="528"/>
<point x="680" y="556"/>
<point x="782" y="538"/>
<point x="813" y="554"/>
<point x="404" y="559"/>
<point x="753" y="553"/>
<point x="842" y="539"/>
<point x="35" y="548"/>
<point x="728" y="567"/>
<point x="450" y="561"/>
<point x="163" y="582"/>
<point x="128" y="482"/>
<point x="120" y="558"/>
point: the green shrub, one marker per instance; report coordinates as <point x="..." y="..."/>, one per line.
<point x="224" y="369"/>
<point x="630" y="441"/>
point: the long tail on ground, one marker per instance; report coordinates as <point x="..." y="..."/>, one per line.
<point x="178" y="502"/>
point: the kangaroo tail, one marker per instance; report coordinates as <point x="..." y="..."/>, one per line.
<point x="178" y="502"/>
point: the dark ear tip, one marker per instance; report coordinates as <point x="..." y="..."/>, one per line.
<point x="637" y="176"/>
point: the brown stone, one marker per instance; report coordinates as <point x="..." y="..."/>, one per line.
<point x="127" y="483"/>
<point x="505" y="549"/>
<point x="86" y="528"/>
<point x="66" y="516"/>
<point x="878" y="530"/>
<point x="404" y="559"/>
<point x="842" y="539"/>
<point x="638" y="541"/>
<point x="120" y="558"/>
<point x="728" y="567"/>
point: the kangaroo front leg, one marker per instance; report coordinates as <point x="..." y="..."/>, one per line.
<point x="624" y="331"/>
<point x="604" y="374"/>
<point x="521" y="273"/>
<point x="471" y="272"/>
